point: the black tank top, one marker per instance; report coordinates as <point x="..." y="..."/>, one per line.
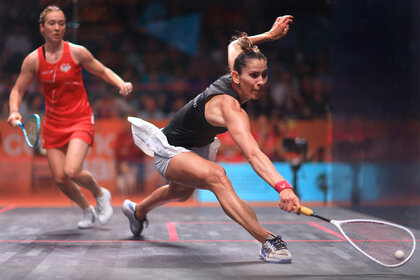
<point x="189" y="127"/>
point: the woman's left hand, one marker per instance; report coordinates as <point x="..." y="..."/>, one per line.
<point x="280" y="27"/>
<point x="126" y="88"/>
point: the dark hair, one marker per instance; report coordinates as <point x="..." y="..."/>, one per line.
<point x="249" y="51"/>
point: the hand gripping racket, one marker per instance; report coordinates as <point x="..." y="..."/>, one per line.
<point x="386" y="243"/>
<point x="31" y="128"/>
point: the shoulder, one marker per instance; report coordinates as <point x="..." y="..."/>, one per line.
<point x="32" y="57"/>
<point x="79" y="52"/>
<point x="76" y="48"/>
<point x="31" y="61"/>
<point x="229" y="100"/>
<point x="226" y="102"/>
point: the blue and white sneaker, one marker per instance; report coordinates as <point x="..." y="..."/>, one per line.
<point x="136" y="225"/>
<point x="274" y="250"/>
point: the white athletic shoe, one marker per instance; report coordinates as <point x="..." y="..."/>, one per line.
<point x="136" y="225"/>
<point x="103" y="204"/>
<point x="274" y="250"/>
<point x="89" y="217"/>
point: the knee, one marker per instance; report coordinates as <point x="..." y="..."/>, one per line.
<point x="62" y="182"/>
<point x="71" y="172"/>
<point x="60" y="179"/>
<point x="217" y="179"/>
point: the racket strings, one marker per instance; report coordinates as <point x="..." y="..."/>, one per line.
<point x="31" y="128"/>
<point x="380" y="241"/>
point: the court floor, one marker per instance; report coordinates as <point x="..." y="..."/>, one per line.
<point x="197" y="242"/>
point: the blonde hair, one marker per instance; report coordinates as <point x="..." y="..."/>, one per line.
<point x="51" y="8"/>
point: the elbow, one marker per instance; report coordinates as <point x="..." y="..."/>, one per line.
<point x="232" y="47"/>
<point x="232" y="44"/>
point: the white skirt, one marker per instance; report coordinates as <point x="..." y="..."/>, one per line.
<point x="154" y="143"/>
<point x="151" y="139"/>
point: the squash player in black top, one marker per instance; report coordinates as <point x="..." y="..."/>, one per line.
<point x="178" y="148"/>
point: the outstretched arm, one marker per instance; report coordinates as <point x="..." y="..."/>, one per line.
<point x="279" y="29"/>
<point x="94" y="66"/>
<point x="225" y="111"/>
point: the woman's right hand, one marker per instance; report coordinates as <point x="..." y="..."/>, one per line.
<point x="289" y="201"/>
<point x="280" y="27"/>
<point x="13" y="117"/>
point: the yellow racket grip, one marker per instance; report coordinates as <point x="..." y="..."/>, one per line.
<point x="304" y="210"/>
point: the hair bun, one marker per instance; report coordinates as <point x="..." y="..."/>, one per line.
<point x="244" y="42"/>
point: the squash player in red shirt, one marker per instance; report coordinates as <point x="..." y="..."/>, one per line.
<point x="68" y="124"/>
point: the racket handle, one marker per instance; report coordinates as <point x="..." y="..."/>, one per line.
<point x="304" y="210"/>
<point x="17" y="122"/>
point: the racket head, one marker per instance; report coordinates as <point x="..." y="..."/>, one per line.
<point x="379" y="240"/>
<point x="31" y="130"/>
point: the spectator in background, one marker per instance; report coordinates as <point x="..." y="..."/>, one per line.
<point x="305" y="92"/>
<point x="177" y="84"/>
<point x="154" y="59"/>
<point x="229" y="150"/>
<point x="132" y="58"/>
<point x="153" y="81"/>
<point x="317" y="103"/>
<point x="280" y="132"/>
<point x="17" y="42"/>
<point x="4" y="90"/>
<point x="290" y="108"/>
<point x="263" y="134"/>
<point x="283" y="83"/>
<point x="149" y="109"/>
<point x="107" y="54"/>
<point x="176" y="105"/>
<point x="200" y="69"/>
<point x="129" y="163"/>
<point x="4" y="109"/>
<point x="105" y="107"/>
<point x="16" y="46"/>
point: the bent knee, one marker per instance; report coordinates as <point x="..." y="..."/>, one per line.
<point x="217" y="179"/>
<point x="62" y="182"/>
<point x="71" y="172"/>
<point x="60" y="178"/>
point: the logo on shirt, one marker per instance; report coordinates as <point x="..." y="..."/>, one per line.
<point x="48" y="72"/>
<point x="65" y="67"/>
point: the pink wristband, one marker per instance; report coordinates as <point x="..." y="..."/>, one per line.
<point x="282" y="185"/>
